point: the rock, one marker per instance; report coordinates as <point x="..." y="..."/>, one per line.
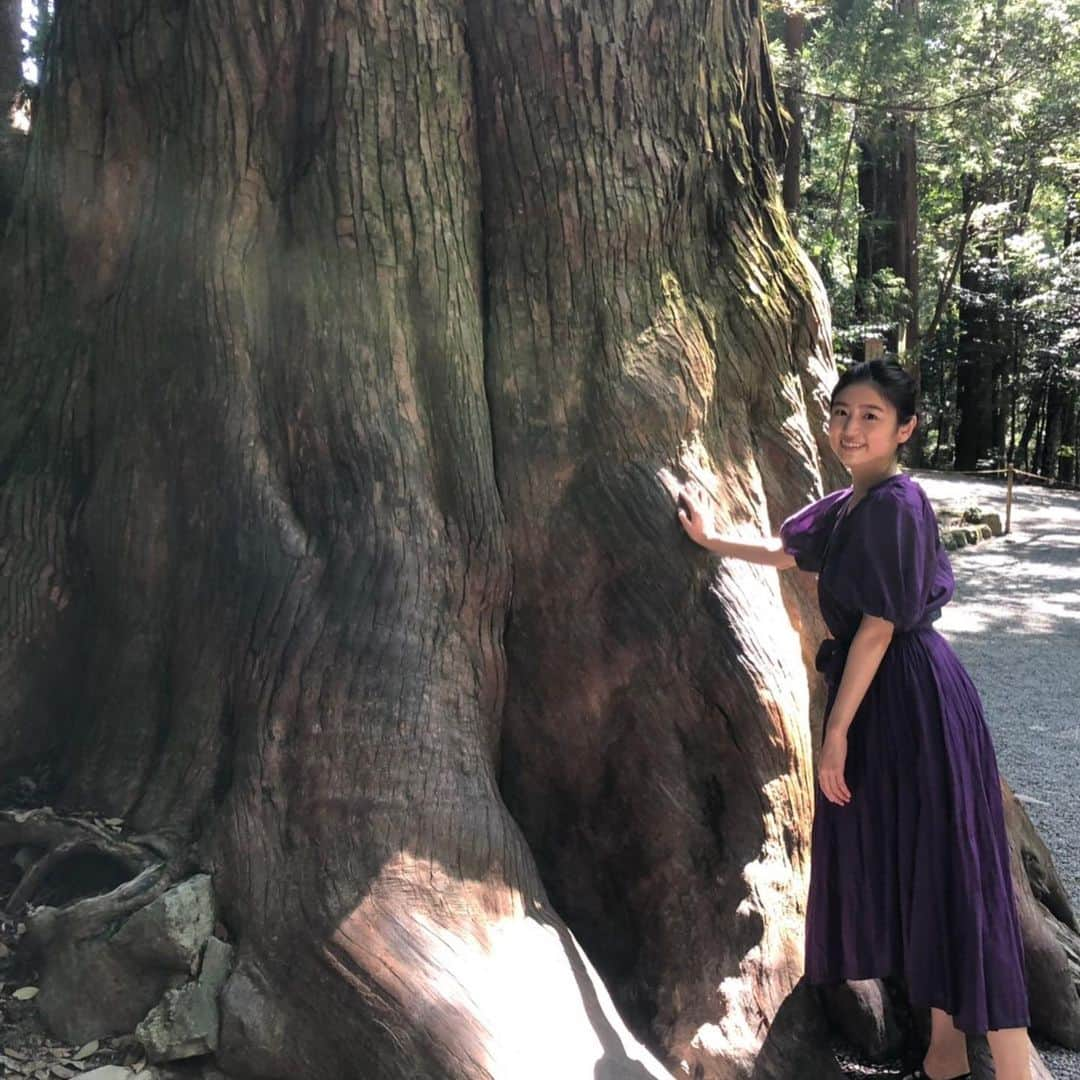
<point x="984" y="532"/>
<point x="993" y="522"/>
<point x="255" y="1033"/>
<point x="170" y="932"/>
<point x="958" y="538"/>
<point x="25" y="857"/>
<point x="109" y="1072"/>
<point x="1051" y="945"/>
<point x="862" y="1012"/>
<point x="185" y="1024"/>
<point x="797" y="1045"/>
<point x="216" y="964"/>
<point x="89" y="990"/>
<point x="971" y="534"/>
<point x="190" y="1069"/>
<point x="1042" y="874"/>
<point x="184" y="1070"/>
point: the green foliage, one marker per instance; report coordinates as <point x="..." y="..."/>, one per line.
<point x="993" y="89"/>
<point x="37" y="19"/>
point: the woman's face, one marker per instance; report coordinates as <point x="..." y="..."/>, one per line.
<point x="863" y="429"/>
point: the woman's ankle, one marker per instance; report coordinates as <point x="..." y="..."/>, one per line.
<point x="944" y="1063"/>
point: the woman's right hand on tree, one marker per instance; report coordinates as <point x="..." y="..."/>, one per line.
<point x="694" y="517"/>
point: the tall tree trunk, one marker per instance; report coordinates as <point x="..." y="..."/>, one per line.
<point x="876" y="183"/>
<point x="907" y="202"/>
<point x="794" y="39"/>
<point x="907" y="241"/>
<point x="978" y="347"/>
<point x="1070" y="429"/>
<point x="12" y="139"/>
<point x="1014" y="394"/>
<point x="318" y="333"/>
<point x="1031" y="419"/>
<point x="1041" y="421"/>
<point x="888" y="227"/>
<point x="1000" y="411"/>
<point x="636" y="785"/>
<point x="1057" y="400"/>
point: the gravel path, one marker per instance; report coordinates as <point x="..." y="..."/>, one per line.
<point x="1015" y="623"/>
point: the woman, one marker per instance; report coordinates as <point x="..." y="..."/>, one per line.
<point x="909" y="862"/>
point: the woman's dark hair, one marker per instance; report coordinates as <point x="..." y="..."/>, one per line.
<point x="895" y="384"/>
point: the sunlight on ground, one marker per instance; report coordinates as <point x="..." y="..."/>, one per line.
<point x="1023" y="584"/>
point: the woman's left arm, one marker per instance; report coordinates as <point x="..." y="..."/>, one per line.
<point x="863" y="659"/>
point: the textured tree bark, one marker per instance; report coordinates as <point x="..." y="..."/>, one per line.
<point x="646" y="308"/>
<point x="321" y="319"/>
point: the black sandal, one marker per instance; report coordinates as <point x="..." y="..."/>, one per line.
<point x="918" y="1074"/>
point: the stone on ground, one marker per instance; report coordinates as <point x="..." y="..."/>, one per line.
<point x="170" y="932"/>
<point x="216" y="964"/>
<point x="89" y="991"/>
<point x="861" y="1010"/>
<point x="184" y="1025"/>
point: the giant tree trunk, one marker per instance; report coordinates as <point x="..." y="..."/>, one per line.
<point x="325" y="324"/>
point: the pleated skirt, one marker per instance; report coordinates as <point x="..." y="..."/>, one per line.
<point x="912" y="878"/>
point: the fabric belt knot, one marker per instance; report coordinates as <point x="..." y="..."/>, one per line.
<point x="830" y="659"/>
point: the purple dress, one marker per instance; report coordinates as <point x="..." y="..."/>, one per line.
<point x="912" y="876"/>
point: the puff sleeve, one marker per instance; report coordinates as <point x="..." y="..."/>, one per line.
<point x="893" y="572"/>
<point x="805" y="534"/>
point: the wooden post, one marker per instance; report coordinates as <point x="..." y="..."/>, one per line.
<point x="873" y="347"/>
<point x="1008" y="501"/>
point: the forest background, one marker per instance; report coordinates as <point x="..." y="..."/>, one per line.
<point x="933" y="173"/>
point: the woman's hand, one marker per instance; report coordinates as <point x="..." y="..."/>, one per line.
<point x="694" y="518"/>
<point x="831" y="767"/>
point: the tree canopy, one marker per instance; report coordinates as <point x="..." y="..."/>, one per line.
<point x="992" y="94"/>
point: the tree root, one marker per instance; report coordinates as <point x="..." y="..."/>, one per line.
<point x="155" y="863"/>
<point x="85" y="918"/>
